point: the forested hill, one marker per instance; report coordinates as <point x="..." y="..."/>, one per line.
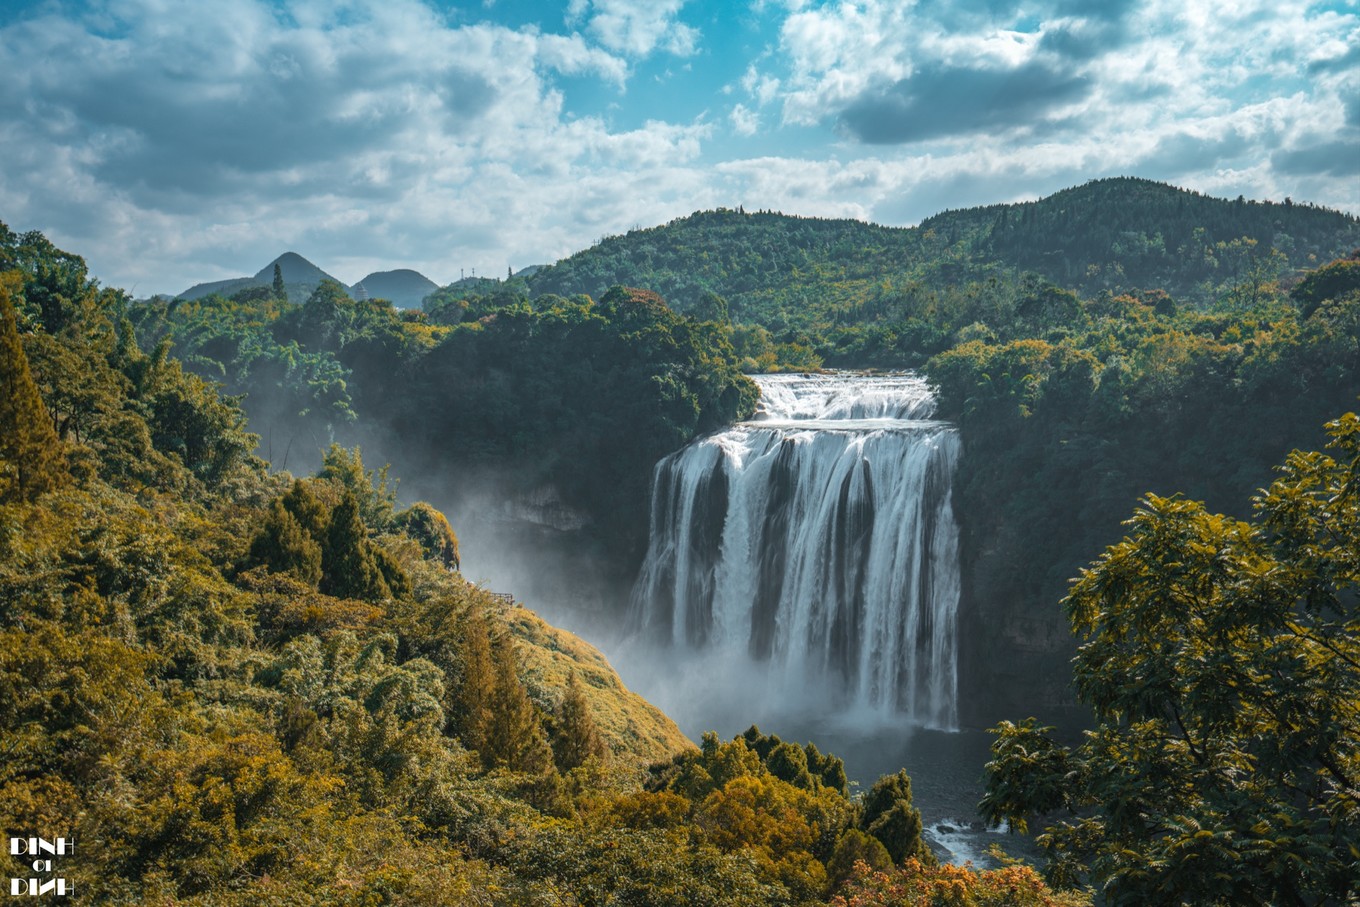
<point x="1118" y="234"/>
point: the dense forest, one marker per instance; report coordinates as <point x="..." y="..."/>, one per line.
<point x="237" y="686"/>
<point x="857" y="295"/>
<point x="232" y="686"/>
<point x="1114" y="339"/>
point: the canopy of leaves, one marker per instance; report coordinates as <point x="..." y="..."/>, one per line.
<point x="1223" y="666"/>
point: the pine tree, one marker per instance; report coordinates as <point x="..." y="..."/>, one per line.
<point x="889" y="816"/>
<point x="575" y="737"/>
<point x="308" y="510"/>
<point x="514" y="736"/>
<point x="348" y="567"/>
<point x="476" y="682"/>
<point x="284" y="547"/>
<point x="32" y="460"/>
<point x="279" y="291"/>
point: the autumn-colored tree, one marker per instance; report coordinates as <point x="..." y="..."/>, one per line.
<point x="429" y="527"/>
<point x="31" y="457"/>
<point x="474" y="682"/>
<point x="491" y="711"/>
<point x="917" y="884"/>
<point x="575" y="737"/>
<point x="514" y="737"/>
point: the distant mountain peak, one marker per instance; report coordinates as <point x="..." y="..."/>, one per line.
<point x="295" y="269"/>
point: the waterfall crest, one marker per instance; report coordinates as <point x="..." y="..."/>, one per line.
<point x="817" y="540"/>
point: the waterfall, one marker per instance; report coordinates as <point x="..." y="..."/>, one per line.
<point x="818" y="542"/>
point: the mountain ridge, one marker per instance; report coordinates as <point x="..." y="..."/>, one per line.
<point x="1118" y="234"/>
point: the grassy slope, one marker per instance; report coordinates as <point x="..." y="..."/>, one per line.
<point x="628" y="723"/>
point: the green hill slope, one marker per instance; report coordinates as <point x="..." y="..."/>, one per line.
<point x="1118" y="234"/>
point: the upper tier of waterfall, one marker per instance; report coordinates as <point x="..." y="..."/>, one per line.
<point x="818" y="541"/>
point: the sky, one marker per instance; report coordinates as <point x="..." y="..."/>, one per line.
<point x="175" y="142"/>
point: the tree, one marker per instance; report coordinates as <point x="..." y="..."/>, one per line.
<point x="514" y="737"/>
<point x="431" y="529"/>
<point x="284" y="547"/>
<point x="889" y="816"/>
<point x="307" y="510"/>
<point x="1223" y="666"/>
<point x="474" y="682"/>
<point x="31" y="457"/>
<point x="575" y="737"/>
<point x="370" y="488"/>
<point x="916" y="884"/>
<point x="348" y="566"/>
<point x="279" y="291"/>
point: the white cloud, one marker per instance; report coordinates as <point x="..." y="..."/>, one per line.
<point x="171" y="145"/>
<point x="636" y="27"/>
<point x="744" y="121"/>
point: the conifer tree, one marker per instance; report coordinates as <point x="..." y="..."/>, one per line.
<point x="891" y="818"/>
<point x="31" y="457"/>
<point x="284" y="547"/>
<point x="279" y="291"/>
<point x="348" y="566"/>
<point x="309" y="512"/>
<point x="476" y="681"/>
<point x="514" y="736"/>
<point x="575" y="737"/>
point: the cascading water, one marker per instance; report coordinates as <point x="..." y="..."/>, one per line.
<point x="819" y="542"/>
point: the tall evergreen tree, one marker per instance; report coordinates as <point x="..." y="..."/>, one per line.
<point x="307" y="510"/>
<point x="348" y="567"/>
<point x="891" y="818"/>
<point x="476" y="681"/>
<point x="284" y="547"/>
<point x="31" y="457"/>
<point x="279" y="291"/>
<point x="515" y="737"/>
<point x="575" y="737"/>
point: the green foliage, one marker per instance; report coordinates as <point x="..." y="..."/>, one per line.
<point x="574" y="735"/>
<point x="349" y="566"/>
<point x="579" y="396"/>
<point x="236" y="688"/>
<point x="855" y="847"/>
<point x="431" y="529"/>
<point x="370" y="488"/>
<point x="1223" y="666"/>
<point x="857" y="294"/>
<point x="31" y="456"/>
<point x="1060" y="433"/>
<point x="888" y="815"/>
<point x="285" y="547"/>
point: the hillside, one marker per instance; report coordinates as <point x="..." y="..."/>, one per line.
<point x="1123" y="234"/>
<point x="240" y="688"/>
